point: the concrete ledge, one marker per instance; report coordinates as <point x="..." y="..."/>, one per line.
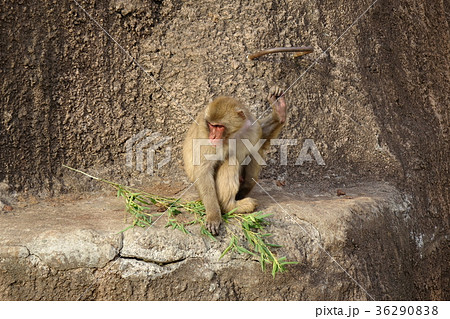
<point x="352" y="247"/>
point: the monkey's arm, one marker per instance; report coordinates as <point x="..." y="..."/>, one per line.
<point x="206" y="188"/>
<point x="272" y="124"/>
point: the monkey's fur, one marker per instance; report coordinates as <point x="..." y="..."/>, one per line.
<point x="224" y="183"/>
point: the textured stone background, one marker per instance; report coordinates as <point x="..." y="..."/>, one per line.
<point x="376" y="102"/>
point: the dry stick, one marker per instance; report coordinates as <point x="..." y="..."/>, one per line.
<point x="299" y="51"/>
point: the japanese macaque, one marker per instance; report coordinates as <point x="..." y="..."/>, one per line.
<point x="215" y="153"/>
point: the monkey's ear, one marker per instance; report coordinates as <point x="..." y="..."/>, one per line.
<point x="241" y="114"/>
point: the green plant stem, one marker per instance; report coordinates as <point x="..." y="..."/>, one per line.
<point x="138" y="203"/>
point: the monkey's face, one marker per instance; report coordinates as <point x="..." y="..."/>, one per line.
<point x="223" y="117"/>
<point x="216" y="133"/>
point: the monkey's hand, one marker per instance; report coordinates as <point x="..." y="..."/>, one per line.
<point x="213" y="223"/>
<point x="278" y="102"/>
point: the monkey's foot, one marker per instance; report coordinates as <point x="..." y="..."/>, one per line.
<point x="213" y="224"/>
<point x="278" y="102"/>
<point x="246" y="205"/>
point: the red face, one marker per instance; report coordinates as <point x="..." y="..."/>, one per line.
<point x="215" y="133"/>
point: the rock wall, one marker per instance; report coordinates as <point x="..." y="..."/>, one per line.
<point x="373" y="96"/>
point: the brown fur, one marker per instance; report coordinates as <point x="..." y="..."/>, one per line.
<point x="223" y="184"/>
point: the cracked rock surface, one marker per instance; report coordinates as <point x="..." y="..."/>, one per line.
<point x="72" y="248"/>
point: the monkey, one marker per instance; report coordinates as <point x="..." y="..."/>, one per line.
<point x="225" y="129"/>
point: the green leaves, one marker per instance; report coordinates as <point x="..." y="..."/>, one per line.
<point x="175" y="225"/>
<point x="251" y="240"/>
<point x="231" y="245"/>
<point x="206" y="232"/>
<point x="251" y="225"/>
<point x="139" y="205"/>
